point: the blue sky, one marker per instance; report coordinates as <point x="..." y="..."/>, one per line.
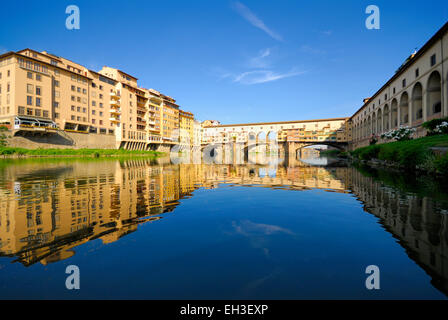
<point x="235" y="61"/>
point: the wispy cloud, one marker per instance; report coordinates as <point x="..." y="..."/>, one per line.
<point x="260" y="61"/>
<point x="312" y="50"/>
<point x="327" y="32"/>
<point x="247" y="14"/>
<point x="263" y="76"/>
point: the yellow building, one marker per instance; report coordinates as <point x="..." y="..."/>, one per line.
<point x="169" y="120"/>
<point x="44" y="93"/>
<point x="186" y="134"/>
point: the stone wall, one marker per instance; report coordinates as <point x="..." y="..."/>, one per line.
<point x="63" y="140"/>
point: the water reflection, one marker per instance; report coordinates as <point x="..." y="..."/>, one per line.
<point x="49" y="208"/>
<point x="48" y="211"/>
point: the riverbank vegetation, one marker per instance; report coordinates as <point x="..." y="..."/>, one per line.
<point x="334" y="153"/>
<point x="21" y="152"/>
<point x="427" y="153"/>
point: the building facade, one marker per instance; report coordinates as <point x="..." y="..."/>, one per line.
<point x="41" y="93"/>
<point x="416" y="93"/>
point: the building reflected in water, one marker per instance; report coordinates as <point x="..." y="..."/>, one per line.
<point x="48" y="210"/>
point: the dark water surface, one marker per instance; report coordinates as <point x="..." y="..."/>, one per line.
<point x="139" y="229"/>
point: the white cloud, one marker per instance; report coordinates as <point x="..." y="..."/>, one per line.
<point x="311" y="50"/>
<point x="263" y="76"/>
<point x="260" y="60"/>
<point x="247" y="14"/>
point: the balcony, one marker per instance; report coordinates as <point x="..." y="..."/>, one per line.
<point x="114" y="119"/>
<point x="114" y="95"/>
<point x="115" y="111"/>
<point x="155" y="100"/>
<point x="115" y="103"/>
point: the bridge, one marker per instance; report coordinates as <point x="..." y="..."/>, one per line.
<point x="287" y="137"/>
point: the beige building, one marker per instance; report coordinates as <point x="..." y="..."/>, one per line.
<point x="46" y="94"/>
<point x="186" y="133"/>
<point x="416" y="93"/>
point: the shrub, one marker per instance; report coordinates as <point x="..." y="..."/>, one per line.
<point x="441" y="165"/>
<point x="433" y="126"/>
<point x="400" y="134"/>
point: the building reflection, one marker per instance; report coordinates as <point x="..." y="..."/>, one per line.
<point x="417" y="222"/>
<point x="45" y="213"/>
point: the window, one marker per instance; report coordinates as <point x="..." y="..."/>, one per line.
<point x="37" y="112"/>
<point x="54" y="62"/>
<point x="73" y="117"/>
<point x="78" y="109"/>
<point x="385" y="96"/>
<point x="101" y="113"/>
<point x="56" y="104"/>
<point x="57" y="94"/>
<point x="29" y="100"/>
<point x="8" y="73"/>
<point x="56" y="115"/>
<point x="38" y="77"/>
<point x="93" y="103"/>
<point x="78" y="89"/>
<point x="21" y="110"/>
<point x="93" y="112"/>
<point x="56" y="83"/>
<point x="38" y="102"/>
<point x="38" y="91"/>
<point x="29" y="88"/>
<point x="29" y="75"/>
<point x="433" y="60"/>
<point x="73" y="108"/>
<point x="394" y="90"/>
<point x="417" y="73"/>
<point x="404" y="83"/>
<point x="45" y="114"/>
<point x="56" y="72"/>
<point x="93" y="121"/>
<point x="29" y="111"/>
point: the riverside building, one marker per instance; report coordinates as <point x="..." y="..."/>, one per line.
<point x="44" y="94"/>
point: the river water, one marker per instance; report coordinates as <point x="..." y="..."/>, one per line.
<point x="139" y="228"/>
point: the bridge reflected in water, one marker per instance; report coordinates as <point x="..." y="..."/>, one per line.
<point x="50" y="207"/>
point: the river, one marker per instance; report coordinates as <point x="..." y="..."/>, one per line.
<point x="150" y="229"/>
